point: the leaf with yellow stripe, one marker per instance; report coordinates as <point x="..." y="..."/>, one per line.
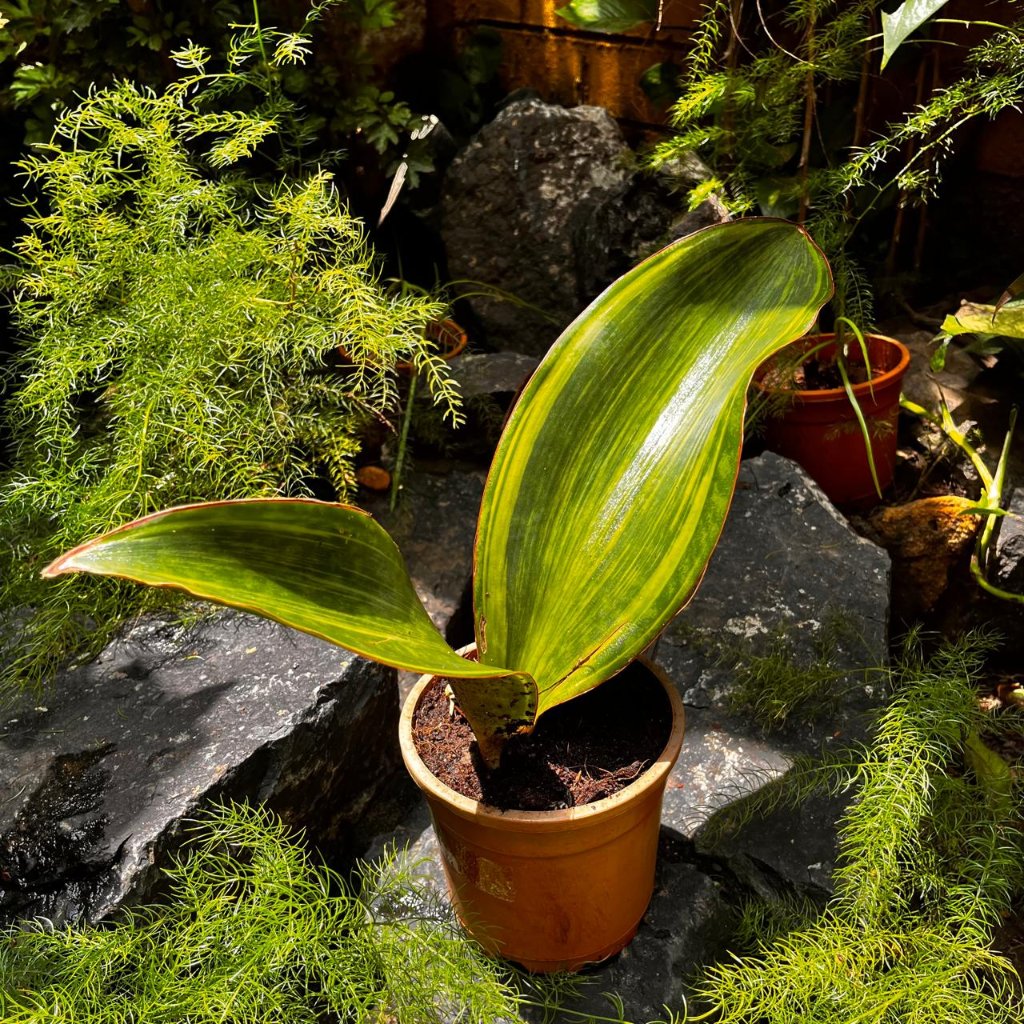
<point x="329" y="570"/>
<point x="605" y="500"/>
<point x="613" y="477"/>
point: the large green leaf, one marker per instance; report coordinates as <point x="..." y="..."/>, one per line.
<point x="614" y="475"/>
<point x="329" y="570"/>
<point x="976" y="318"/>
<point x="609" y="15"/>
<point x="910" y="15"/>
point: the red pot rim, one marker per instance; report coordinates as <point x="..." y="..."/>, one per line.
<point x="831" y="394"/>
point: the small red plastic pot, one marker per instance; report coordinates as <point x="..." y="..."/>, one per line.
<point x="819" y="428"/>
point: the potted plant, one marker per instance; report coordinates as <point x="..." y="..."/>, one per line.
<point x="833" y="408"/>
<point x="604" y="502"/>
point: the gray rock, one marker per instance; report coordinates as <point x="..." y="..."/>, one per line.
<point x="434" y="526"/>
<point x="630" y="224"/>
<point x="1009" y="558"/>
<point x="788" y="572"/>
<point x="492" y="373"/>
<point x="928" y="387"/>
<point x="545" y="203"/>
<point x="101" y="775"/>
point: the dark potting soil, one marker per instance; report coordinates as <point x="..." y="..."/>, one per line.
<point x="581" y="751"/>
<point x="818" y="376"/>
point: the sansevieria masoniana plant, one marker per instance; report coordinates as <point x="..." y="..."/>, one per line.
<point x="605" y="500"/>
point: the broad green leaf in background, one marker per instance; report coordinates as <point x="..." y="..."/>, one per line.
<point x="329" y="570"/>
<point x="609" y="15"/>
<point x="975" y="318"/>
<point x="612" y="480"/>
<point x="1013" y="290"/>
<point x="905" y="19"/>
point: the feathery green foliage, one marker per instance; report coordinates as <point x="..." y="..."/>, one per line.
<point x="180" y="322"/>
<point x="256" y="932"/>
<point x="745" y="115"/>
<point x="929" y="861"/>
<point x="754" y="104"/>
<point x="774" y="689"/>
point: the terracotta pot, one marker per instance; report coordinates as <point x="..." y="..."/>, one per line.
<point x="819" y="428"/>
<point x="450" y="338"/>
<point x="551" y="890"/>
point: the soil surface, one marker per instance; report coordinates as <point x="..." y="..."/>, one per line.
<point x="581" y="751"/>
<point x="821" y="376"/>
<point x="815" y="374"/>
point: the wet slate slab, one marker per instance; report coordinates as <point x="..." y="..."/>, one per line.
<point x="100" y="775"/>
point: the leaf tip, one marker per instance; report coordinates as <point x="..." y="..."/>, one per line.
<point x="58" y="567"/>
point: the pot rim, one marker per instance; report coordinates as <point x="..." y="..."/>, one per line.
<point x="866" y="387"/>
<point x="546" y="821"/>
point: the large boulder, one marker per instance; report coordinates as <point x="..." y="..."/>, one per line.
<point x="789" y="578"/>
<point x="102" y="773"/>
<point x="546" y="204"/>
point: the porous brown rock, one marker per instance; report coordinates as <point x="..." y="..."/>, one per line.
<point x="927" y="540"/>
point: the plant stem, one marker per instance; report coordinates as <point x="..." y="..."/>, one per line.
<point x="403" y="443"/>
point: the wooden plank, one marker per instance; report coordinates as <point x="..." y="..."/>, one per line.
<point x="677" y="21"/>
<point x="572" y="70"/>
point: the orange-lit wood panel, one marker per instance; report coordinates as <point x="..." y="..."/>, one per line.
<point x="571" y="66"/>
<point x="677" y="16"/>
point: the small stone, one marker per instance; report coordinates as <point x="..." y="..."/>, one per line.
<point x="1009" y="550"/>
<point x="927" y="540"/>
<point x="374" y="478"/>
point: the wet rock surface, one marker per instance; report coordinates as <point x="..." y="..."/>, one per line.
<point x="788" y="571"/>
<point x="101" y="774"/>
<point x="789" y="576"/>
